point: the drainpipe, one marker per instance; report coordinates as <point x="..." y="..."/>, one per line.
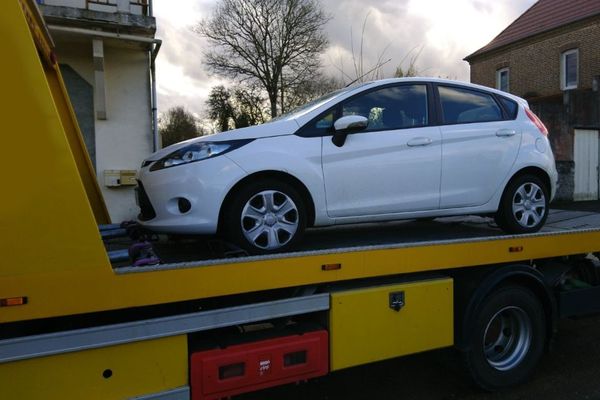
<point x="155" y="43"/>
<point x="155" y="134"/>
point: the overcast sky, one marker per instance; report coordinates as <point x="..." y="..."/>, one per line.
<point x="447" y="30"/>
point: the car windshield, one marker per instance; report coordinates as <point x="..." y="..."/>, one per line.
<point x="311" y="105"/>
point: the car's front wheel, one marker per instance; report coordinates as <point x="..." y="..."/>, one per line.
<point x="524" y="205"/>
<point x="265" y="217"/>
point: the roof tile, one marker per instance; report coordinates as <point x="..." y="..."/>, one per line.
<point x="541" y="17"/>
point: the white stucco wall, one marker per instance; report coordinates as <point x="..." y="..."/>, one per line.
<point x="113" y="6"/>
<point x="124" y="139"/>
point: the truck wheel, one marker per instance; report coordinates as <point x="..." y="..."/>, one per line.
<point x="265" y="217"/>
<point x="524" y="205"/>
<point x="508" y="334"/>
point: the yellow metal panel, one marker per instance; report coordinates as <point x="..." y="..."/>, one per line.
<point x="38" y="29"/>
<point x="45" y="47"/>
<point x="46" y="221"/>
<point x="64" y="291"/>
<point x="363" y="328"/>
<point x="135" y="369"/>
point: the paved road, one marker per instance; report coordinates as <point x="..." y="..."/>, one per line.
<point x="570" y="371"/>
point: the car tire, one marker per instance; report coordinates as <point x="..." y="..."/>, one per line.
<point x="265" y="217"/>
<point x="524" y="205"/>
<point x="508" y="336"/>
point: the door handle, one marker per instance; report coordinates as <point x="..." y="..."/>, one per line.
<point x="506" y="132"/>
<point x="419" y="141"/>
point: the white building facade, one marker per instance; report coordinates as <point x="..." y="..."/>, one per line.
<point x="106" y="50"/>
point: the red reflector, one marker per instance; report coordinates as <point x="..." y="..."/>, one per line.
<point x="515" y="249"/>
<point x="221" y="373"/>
<point x="331" y="267"/>
<point x="538" y="122"/>
<point x="13" y="301"/>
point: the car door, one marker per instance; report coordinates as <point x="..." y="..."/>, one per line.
<point x="393" y="165"/>
<point x="479" y="146"/>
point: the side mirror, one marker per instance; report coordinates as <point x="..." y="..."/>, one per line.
<point x="347" y="125"/>
<point x="351" y="124"/>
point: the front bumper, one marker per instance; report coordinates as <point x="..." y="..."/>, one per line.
<point x="204" y="184"/>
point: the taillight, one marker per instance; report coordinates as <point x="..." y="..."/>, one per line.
<point x="534" y="118"/>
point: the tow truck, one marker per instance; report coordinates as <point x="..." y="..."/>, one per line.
<point x="79" y="319"/>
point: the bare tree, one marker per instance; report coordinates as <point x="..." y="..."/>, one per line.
<point x="411" y="70"/>
<point x="362" y="72"/>
<point x="220" y="108"/>
<point x="273" y="42"/>
<point x="305" y="91"/>
<point x="177" y="125"/>
<point x="237" y="108"/>
<point x="249" y="106"/>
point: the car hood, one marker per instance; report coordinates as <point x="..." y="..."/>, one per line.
<point x="270" y="129"/>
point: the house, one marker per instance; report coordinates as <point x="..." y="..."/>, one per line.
<point x="550" y="55"/>
<point x="106" y="51"/>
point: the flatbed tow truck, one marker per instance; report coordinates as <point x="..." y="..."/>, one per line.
<point x="208" y="323"/>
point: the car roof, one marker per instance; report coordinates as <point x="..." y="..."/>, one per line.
<point x="382" y="82"/>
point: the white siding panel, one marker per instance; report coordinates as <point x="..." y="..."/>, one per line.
<point x="586" y="164"/>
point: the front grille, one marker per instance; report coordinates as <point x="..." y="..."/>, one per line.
<point x="146" y="210"/>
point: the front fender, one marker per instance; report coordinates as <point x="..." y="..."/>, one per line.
<point x="297" y="156"/>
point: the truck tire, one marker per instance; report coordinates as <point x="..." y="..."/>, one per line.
<point x="265" y="217"/>
<point x="508" y="334"/>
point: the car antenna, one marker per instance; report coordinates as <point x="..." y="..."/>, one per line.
<point x="368" y="72"/>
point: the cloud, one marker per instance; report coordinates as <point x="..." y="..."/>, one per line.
<point x="388" y="33"/>
<point x="447" y="31"/>
<point x="181" y="78"/>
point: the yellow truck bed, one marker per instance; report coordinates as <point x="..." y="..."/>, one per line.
<point x="53" y="255"/>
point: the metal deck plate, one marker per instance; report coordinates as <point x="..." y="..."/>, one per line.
<point x="390" y="235"/>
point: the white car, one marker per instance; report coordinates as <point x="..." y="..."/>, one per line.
<point x="385" y="150"/>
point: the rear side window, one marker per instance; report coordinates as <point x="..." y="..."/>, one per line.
<point x="462" y="106"/>
<point x="510" y="106"/>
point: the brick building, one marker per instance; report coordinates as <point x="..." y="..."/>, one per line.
<point x="550" y="55"/>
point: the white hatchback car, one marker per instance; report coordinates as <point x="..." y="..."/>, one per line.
<point x="384" y="150"/>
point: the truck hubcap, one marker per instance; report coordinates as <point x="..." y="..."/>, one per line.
<point x="507" y="338"/>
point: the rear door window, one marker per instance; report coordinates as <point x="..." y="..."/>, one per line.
<point x="462" y="106"/>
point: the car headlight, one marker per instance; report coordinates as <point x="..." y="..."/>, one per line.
<point x="197" y="152"/>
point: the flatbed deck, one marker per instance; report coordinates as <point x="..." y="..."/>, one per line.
<point x="372" y="236"/>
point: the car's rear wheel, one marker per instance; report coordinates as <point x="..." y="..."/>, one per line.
<point x="524" y="205"/>
<point x="265" y="217"/>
